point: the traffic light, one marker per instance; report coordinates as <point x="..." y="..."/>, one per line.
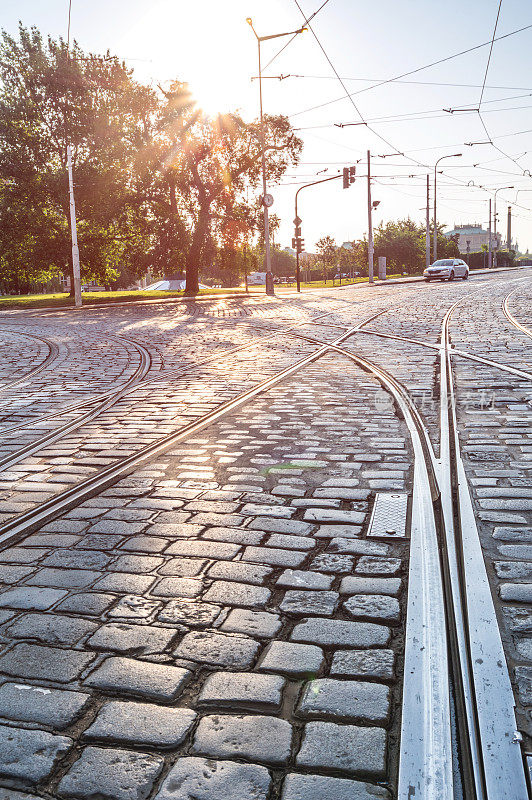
<point x="298" y="244"/>
<point x="349" y="176"/>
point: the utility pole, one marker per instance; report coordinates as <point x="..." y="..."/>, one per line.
<point x="370" y="225"/>
<point x="489" y="237"/>
<point x="509" y="229"/>
<point x="427" y="226"/>
<point x="74" y="232"/>
<point x="267" y="199"/>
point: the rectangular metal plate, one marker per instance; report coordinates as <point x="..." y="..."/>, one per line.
<point x="389" y="515"/>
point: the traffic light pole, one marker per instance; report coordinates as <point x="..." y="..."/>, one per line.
<point x="296" y="223"/>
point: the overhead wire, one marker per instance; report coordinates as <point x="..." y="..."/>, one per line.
<point x="414" y="71"/>
<point x="294" y="36"/>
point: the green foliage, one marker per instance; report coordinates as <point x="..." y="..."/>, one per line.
<point x="158" y="184"/>
<point x="403" y="244"/>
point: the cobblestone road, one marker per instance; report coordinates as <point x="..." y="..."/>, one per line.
<point x="218" y="623"/>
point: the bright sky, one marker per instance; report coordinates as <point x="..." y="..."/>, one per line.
<point x="209" y="44"/>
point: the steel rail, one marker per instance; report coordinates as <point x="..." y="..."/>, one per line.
<point x="510" y="316"/>
<point x="58" y="433"/>
<point x="19" y="526"/>
<point x="456" y="352"/>
<point x="160" y="378"/>
<point x="495" y="759"/>
<point x="53" y="352"/>
<point x="426" y="756"/>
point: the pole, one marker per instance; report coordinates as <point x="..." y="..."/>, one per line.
<point x="74" y="232"/>
<point x="495" y="229"/>
<point x="298" y="281"/>
<point x="269" y="276"/>
<point x="489" y="239"/>
<point x="370" y="225"/>
<point x="509" y="229"/>
<point x="306" y="186"/>
<point x="435" y="232"/>
<point x="427" y="226"/>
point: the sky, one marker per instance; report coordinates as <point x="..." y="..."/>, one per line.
<point x="402" y="122"/>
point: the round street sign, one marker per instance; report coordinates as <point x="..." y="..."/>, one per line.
<point x="267" y="200"/>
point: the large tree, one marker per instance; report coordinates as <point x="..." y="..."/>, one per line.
<point x="52" y="96"/>
<point x="211" y="167"/>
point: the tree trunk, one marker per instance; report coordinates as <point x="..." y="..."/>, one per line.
<point x="194" y="254"/>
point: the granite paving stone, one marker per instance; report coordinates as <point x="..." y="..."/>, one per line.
<point x="242" y="691"/>
<point x="124" y="637"/>
<point x="289" y="658"/>
<point x="192" y="613"/>
<point x="352" y="584"/>
<point x="35" y="661"/>
<point x="321" y="787"/>
<point x="39" y="704"/>
<point x="29" y="756"/>
<point x="302" y="603"/>
<point x="153" y="681"/>
<point x="304" y="579"/>
<point x="364" y="664"/>
<point x="376" y="607"/>
<point x="347" y="748"/>
<point x="140" y="723"/>
<point x="31" y="598"/>
<point x="51" y="628"/>
<point x="240" y="572"/>
<point x="261" y="624"/>
<point x="208" y="779"/>
<point x="237" y="594"/>
<point x="218" y="649"/>
<point x="111" y="774"/>
<point x="252" y="738"/>
<point x="328" y="633"/>
<point x="348" y="701"/>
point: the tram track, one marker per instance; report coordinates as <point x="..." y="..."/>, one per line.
<point x="457" y="691"/>
<point x="52" y="355"/>
<point x="508" y="314"/>
<point x="19" y="526"/>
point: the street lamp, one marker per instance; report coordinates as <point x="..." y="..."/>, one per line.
<point x="267" y="199"/>
<point x="435" y="233"/>
<point x="495" y="219"/>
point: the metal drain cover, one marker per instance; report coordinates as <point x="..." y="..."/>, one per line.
<point x="388" y="518"/>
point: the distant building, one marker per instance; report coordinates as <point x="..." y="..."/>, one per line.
<point x="347" y="245"/>
<point x="289" y="250"/>
<point x="471" y="238"/>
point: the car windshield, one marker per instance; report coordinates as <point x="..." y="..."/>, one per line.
<point x="443" y="262"/>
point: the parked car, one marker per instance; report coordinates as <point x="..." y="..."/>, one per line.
<point x="447" y="269"/>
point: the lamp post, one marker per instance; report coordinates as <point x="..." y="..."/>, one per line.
<point x="495" y="220"/>
<point x="267" y="199"/>
<point x="435" y="232"/>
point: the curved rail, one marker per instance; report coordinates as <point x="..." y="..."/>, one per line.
<point x="141" y="371"/>
<point x="510" y="316"/>
<point x="53" y="352"/>
<point x="18" y="527"/>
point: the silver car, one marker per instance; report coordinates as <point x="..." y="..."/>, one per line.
<point x="447" y="269"/>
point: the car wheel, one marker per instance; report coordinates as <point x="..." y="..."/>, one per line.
<point x="427" y="280"/>
<point x="451" y="276"/>
<point x="465" y="276"/>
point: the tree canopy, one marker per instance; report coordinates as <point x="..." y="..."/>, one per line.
<point x="158" y="183"/>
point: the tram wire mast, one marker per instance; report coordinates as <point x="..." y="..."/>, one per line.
<point x="76" y="276"/>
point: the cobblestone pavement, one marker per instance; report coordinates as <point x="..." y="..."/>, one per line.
<point x="218" y="623"/>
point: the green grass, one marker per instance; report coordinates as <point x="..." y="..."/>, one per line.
<point x="62" y="299"/>
<point x="94" y="298"/>
<point x="329" y="284"/>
